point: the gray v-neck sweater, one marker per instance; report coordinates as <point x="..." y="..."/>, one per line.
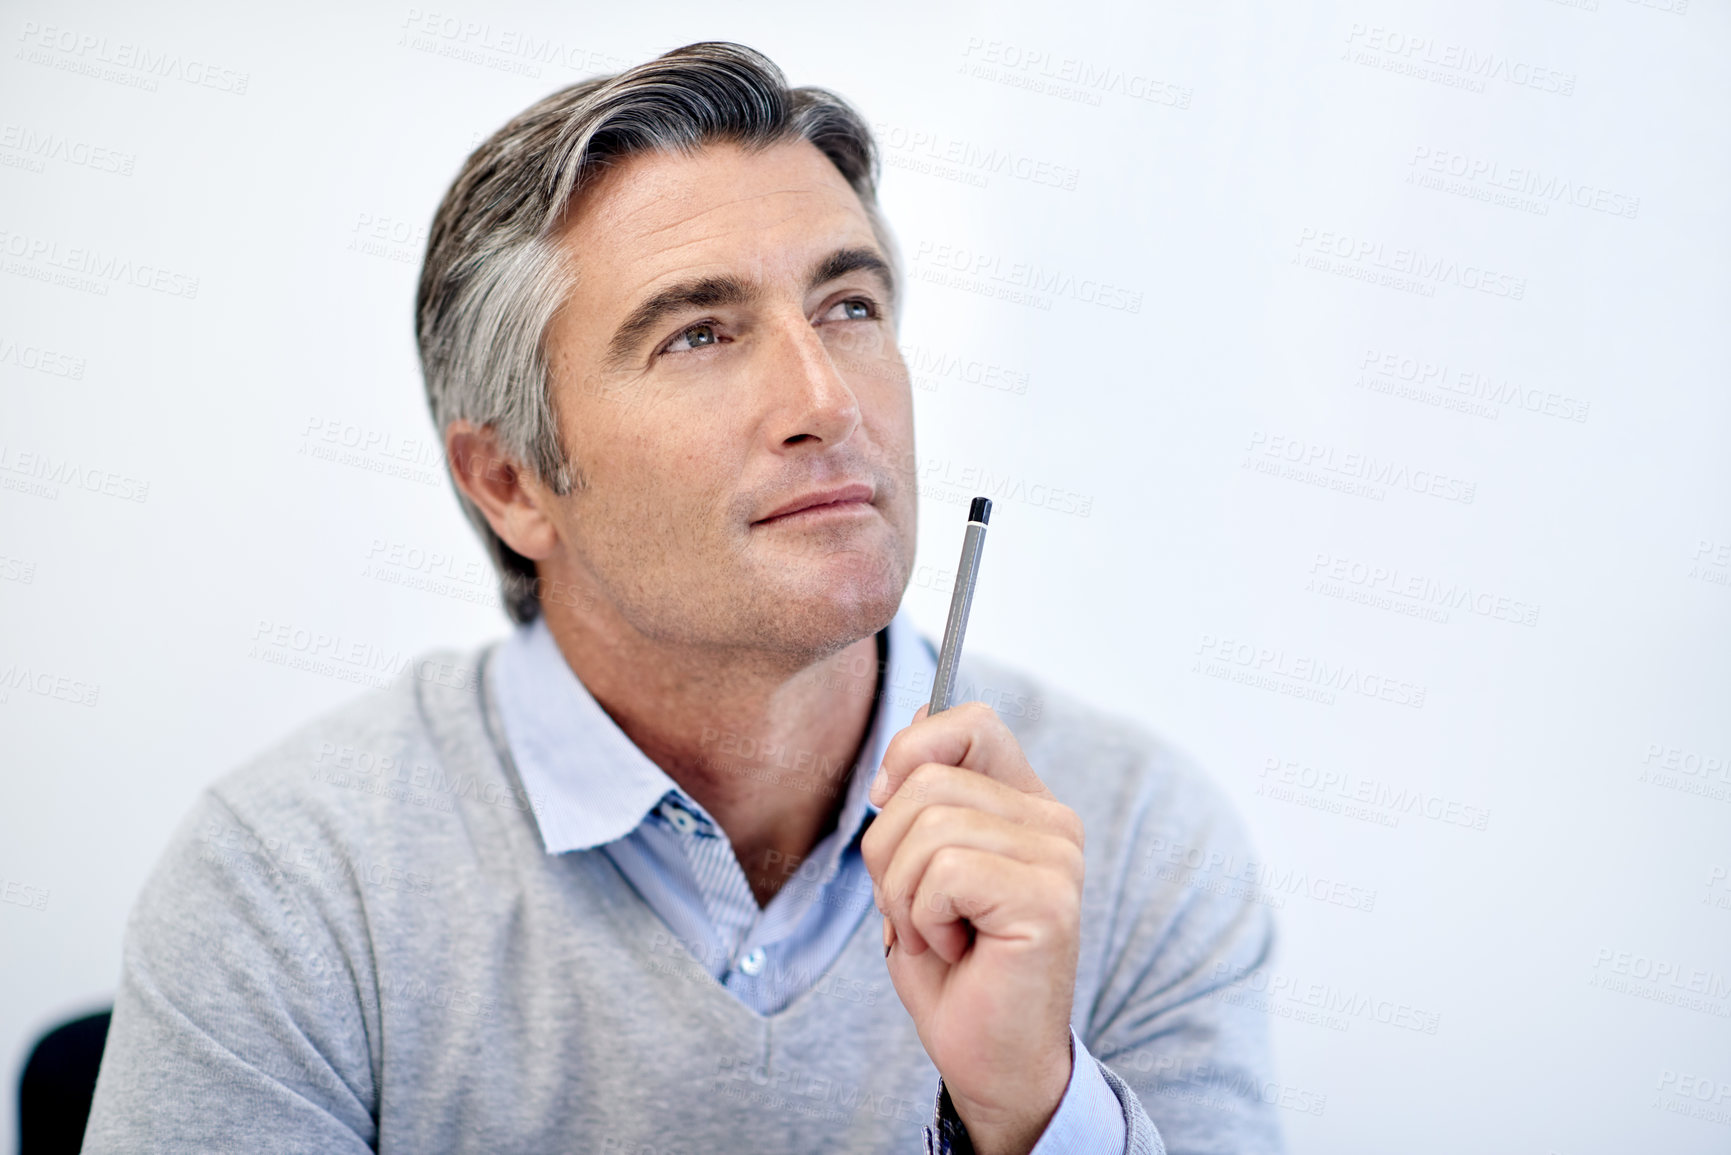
<point x="356" y="942"/>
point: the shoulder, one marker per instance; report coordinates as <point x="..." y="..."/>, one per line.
<point x="1133" y="788"/>
<point x="378" y="821"/>
<point x="389" y="775"/>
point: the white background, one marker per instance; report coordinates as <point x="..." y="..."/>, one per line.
<point x="1236" y="173"/>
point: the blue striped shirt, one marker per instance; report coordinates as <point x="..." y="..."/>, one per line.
<point x="591" y="788"/>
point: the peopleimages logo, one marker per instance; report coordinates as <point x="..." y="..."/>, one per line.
<point x="122" y="62"/>
<point x="40" y="360"/>
<point x="1204" y="867"/>
<point x="1368" y="256"/>
<point x="45" y="473"/>
<point x="1455" y="65"/>
<point x="22" y="894"/>
<point x="504" y="49"/>
<point x="1303" y="676"/>
<point x="992" y="270"/>
<point x="1346" y="787"/>
<point x="1463" y="389"/>
<point x="930" y="367"/>
<point x="1066" y="77"/>
<point x="1662" y="980"/>
<point x="354" y="660"/>
<point x="1337" y="1005"/>
<point x="46" y="684"/>
<point x="1300" y="459"/>
<point x="1418" y="589"/>
<point x="939" y="154"/>
<point x="36" y="147"/>
<point x="36" y="256"/>
<point x="1542" y="187"/>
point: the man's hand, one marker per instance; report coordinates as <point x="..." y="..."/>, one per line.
<point x="978" y="870"/>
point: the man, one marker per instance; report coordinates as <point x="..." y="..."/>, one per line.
<point x="623" y="903"/>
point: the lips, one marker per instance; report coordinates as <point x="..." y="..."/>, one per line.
<point x="841" y="495"/>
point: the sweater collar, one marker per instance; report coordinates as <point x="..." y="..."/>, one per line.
<point x="588" y="784"/>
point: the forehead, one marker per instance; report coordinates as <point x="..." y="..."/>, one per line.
<point x="657" y="215"/>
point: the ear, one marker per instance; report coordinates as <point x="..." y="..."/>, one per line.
<point x="509" y="496"/>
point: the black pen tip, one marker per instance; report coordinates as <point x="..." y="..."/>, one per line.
<point x="981" y="510"/>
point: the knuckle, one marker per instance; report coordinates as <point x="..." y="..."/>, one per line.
<point x="897" y="744"/>
<point x="982" y="716"/>
<point x="945" y="860"/>
<point x="941" y="819"/>
<point x="926" y="778"/>
<point x="1074" y="861"/>
<point x="1057" y="890"/>
<point x="1064" y="821"/>
<point x="894" y="896"/>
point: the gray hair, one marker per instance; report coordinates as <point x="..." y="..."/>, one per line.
<point x="493" y="277"/>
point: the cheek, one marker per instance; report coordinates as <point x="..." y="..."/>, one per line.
<point x="636" y="429"/>
<point x="890" y="404"/>
<point x="882" y="382"/>
<point x="670" y="458"/>
<point x="861" y="347"/>
<point x="867" y="351"/>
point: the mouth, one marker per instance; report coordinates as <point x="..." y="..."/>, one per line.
<point x="841" y="502"/>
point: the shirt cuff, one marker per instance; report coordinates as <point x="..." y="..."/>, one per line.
<point x="1089" y="1119"/>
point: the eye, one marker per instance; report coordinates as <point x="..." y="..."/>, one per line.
<point x="852" y="309"/>
<point x="696" y="337"/>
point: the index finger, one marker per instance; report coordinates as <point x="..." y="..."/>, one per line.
<point x="971" y="736"/>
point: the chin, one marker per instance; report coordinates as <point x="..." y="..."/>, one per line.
<point x="832" y="611"/>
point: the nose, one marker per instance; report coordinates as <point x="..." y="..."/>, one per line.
<point x="813" y="405"/>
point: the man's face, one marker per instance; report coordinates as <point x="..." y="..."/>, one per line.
<point x="728" y="352"/>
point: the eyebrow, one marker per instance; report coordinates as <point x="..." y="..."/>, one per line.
<point x="713" y="292"/>
<point x="702" y="293"/>
<point x="844" y="261"/>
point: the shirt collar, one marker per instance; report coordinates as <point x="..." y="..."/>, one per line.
<point x="588" y="784"/>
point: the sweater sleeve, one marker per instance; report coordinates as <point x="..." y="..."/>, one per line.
<point x="1181" y="1037"/>
<point x="1175" y="1029"/>
<point x="237" y="1025"/>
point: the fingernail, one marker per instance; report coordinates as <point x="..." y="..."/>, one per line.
<point x="889" y="937"/>
<point x="878" y="782"/>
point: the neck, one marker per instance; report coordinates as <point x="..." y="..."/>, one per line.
<point x="765" y="742"/>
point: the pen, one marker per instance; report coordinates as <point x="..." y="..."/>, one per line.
<point x="967" y="572"/>
<point x="944" y="684"/>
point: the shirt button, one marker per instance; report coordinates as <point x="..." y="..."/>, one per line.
<point x="753" y="962"/>
<point x="682" y="821"/>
